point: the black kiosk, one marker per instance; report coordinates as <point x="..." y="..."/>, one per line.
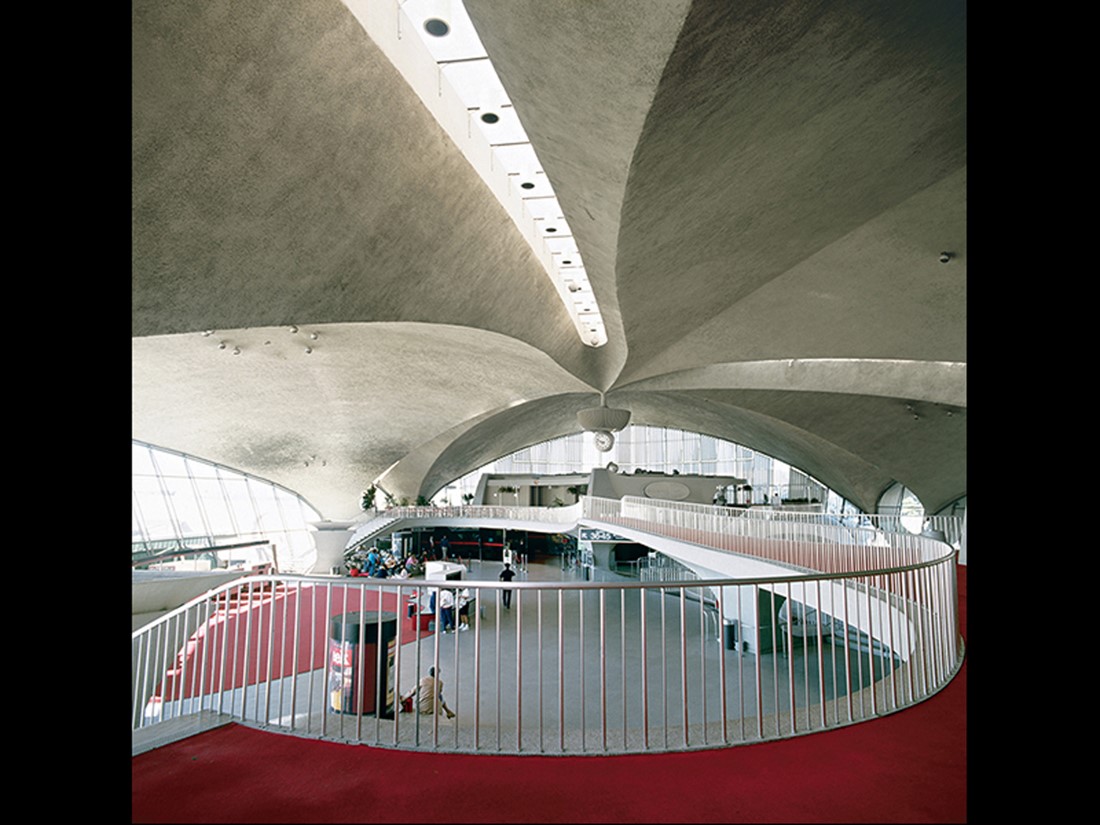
<point x="355" y="685"/>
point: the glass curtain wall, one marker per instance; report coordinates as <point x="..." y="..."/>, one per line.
<point x="180" y="497"/>
<point x="661" y="449"/>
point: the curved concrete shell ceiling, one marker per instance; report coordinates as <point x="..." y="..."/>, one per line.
<point x="761" y="193"/>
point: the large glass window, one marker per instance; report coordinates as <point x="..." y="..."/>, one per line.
<point x="899" y="500"/>
<point x="182" y="498"/>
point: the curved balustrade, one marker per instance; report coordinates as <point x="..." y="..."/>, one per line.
<point x="397" y="518"/>
<point x="542" y="515"/>
<point x="575" y="666"/>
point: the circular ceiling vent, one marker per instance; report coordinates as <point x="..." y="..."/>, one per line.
<point x="436" y="27"/>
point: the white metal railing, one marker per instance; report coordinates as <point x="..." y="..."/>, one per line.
<point x="570" y="667"/>
<point x="541" y="515"/>
<point x="810" y="541"/>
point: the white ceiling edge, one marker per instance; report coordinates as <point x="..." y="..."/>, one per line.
<point x="399" y="38"/>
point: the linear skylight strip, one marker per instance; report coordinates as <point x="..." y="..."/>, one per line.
<point x="435" y="47"/>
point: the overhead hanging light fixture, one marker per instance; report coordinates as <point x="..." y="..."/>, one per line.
<point x="602" y="421"/>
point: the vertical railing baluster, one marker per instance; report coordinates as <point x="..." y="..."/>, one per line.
<point x="224" y="615"/>
<point x="538" y="617"/>
<point x="327" y="661"/>
<point x="759" y="664"/>
<point x="603" y="670"/>
<point x="295" y="666"/>
<point x="141" y="681"/>
<point x="820" y="652"/>
<point x="645" y="674"/>
<point x="455" y="677"/>
<point x="477" y="666"/>
<point x="722" y="663"/>
<point x="664" y="671"/>
<point x="561" y="671"/>
<point x="499" y="698"/>
<point x="790" y="653"/>
<point x="622" y="648"/>
<point x="343" y="644"/>
<point x="683" y="664"/>
<point x="703" y="658"/>
<point x="381" y="672"/>
<point x="519" y="670"/>
<point x="889" y="630"/>
<point x="871" y="649"/>
<point x="848" y="651"/>
<point x="584" y="731"/>
<point x="162" y="675"/>
<point x="740" y="648"/>
<point x="209" y="632"/>
<point x="270" y="654"/>
<point x="439" y="676"/>
<point x="360" y="659"/>
<point x="399" y="641"/>
<point x="772" y="618"/>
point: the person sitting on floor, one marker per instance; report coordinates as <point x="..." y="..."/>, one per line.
<point x="429" y="695"/>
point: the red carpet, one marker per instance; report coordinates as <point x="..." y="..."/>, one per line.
<point x="907" y="767"/>
<point x="231" y="624"/>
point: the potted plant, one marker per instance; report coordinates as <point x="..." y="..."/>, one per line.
<point x="368" y="498"/>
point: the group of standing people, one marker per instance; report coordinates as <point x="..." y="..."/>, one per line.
<point x="449" y="600"/>
<point x="438" y="551"/>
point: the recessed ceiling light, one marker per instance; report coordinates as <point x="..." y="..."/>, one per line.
<point x="436" y="27"/>
<point x="473" y="87"/>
